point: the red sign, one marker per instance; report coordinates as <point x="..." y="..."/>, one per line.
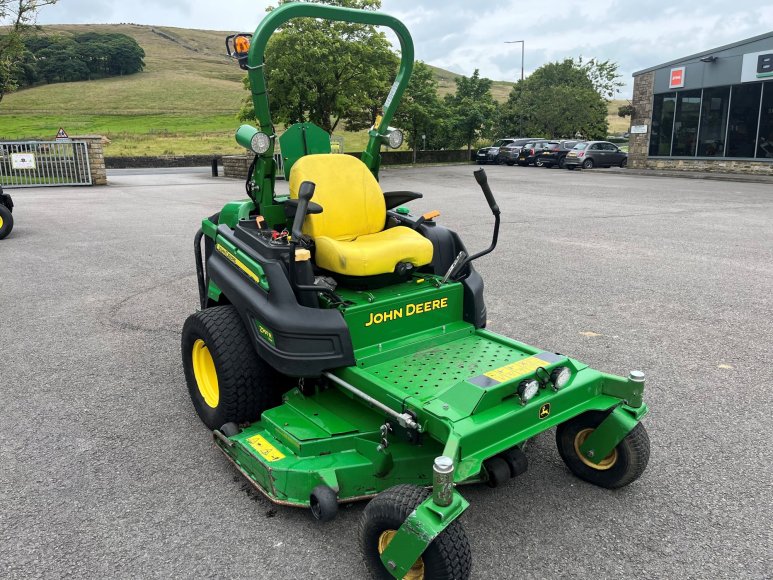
<point x="677" y="78"/>
<point x="61" y="135"/>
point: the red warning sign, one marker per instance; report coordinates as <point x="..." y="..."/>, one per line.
<point x="61" y="135"/>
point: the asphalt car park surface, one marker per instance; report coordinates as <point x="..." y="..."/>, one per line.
<point x="107" y="472"/>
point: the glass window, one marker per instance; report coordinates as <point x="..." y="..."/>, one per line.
<point x="744" y="113"/>
<point x="688" y="108"/>
<point x="662" y="124"/>
<point x="711" y="142"/>
<point x="580" y="146"/>
<point x="765" y="144"/>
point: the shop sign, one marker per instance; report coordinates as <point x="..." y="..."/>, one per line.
<point x="757" y="66"/>
<point x="676" y="80"/>
<point x="638" y="129"/>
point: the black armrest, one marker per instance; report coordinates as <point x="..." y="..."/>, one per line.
<point x="291" y="206"/>
<point x="396" y="198"/>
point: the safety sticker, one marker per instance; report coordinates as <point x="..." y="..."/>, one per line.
<point x="238" y="263"/>
<point x="515" y="369"/>
<point x="268" y="451"/>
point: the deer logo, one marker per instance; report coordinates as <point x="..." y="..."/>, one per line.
<point x="544" y="411"/>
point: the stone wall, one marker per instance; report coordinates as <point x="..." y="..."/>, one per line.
<point x="642" y="115"/>
<point x="237" y="165"/>
<point x="94" y="146"/>
<point x="710" y="165"/>
<point x="162" y="161"/>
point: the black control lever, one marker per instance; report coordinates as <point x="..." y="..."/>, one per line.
<point x="461" y="261"/>
<point x="480" y="177"/>
<point x="305" y="193"/>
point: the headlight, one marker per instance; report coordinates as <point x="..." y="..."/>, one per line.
<point x="527" y="389"/>
<point x="260" y="142"/>
<point x="395" y="138"/>
<point x="560" y="376"/>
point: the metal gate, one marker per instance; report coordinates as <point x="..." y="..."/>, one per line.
<point x="44" y="163"/>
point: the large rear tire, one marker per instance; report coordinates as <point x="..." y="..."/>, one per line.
<point x="622" y="466"/>
<point x="447" y="557"/>
<point x="6" y="221"/>
<point x="227" y="380"/>
<point x="587" y="164"/>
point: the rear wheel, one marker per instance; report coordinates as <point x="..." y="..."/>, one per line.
<point x="227" y="381"/>
<point x="622" y="466"/>
<point x="447" y="557"/>
<point x="587" y="164"/>
<point x="6" y="221"/>
<point x="562" y="163"/>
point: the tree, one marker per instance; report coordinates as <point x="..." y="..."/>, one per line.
<point x="625" y="110"/>
<point x="421" y="112"/>
<point x="19" y="16"/>
<point x="557" y="100"/>
<point x="603" y="76"/>
<point x="472" y="109"/>
<point x="327" y="72"/>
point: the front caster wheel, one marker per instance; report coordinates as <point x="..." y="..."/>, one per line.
<point x="6" y="221"/>
<point x="324" y="503"/>
<point x="622" y="466"/>
<point x="447" y="557"/>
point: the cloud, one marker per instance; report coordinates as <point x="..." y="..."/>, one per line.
<point x="461" y="36"/>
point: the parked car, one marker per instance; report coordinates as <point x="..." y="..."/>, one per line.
<point x="528" y="154"/>
<point x="555" y="154"/>
<point x="508" y="154"/>
<point x="490" y="154"/>
<point x="595" y="154"/>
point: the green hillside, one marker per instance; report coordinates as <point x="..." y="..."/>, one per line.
<point x="184" y="102"/>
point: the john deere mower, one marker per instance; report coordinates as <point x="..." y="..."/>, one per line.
<point x="6" y="215"/>
<point x="340" y="353"/>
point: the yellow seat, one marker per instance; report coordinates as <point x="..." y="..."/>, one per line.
<point x="349" y="234"/>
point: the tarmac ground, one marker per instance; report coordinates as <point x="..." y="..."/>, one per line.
<point x="107" y="472"/>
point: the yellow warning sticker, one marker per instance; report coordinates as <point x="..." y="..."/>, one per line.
<point x="238" y="263"/>
<point x="517" y="369"/>
<point x="268" y="451"/>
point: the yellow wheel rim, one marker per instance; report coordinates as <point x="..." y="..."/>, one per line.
<point x="417" y="570"/>
<point x="607" y="463"/>
<point x="1" y="222"/>
<point x="205" y="373"/>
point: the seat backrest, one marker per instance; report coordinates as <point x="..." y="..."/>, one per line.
<point x="352" y="201"/>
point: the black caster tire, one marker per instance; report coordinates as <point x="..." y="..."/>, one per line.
<point x="6" y="221"/>
<point x="447" y="557"/>
<point x="624" y="465"/>
<point x="230" y="429"/>
<point x="498" y="471"/>
<point x="587" y="164"/>
<point x="324" y="503"/>
<point x="516" y="461"/>
<point x="227" y="381"/>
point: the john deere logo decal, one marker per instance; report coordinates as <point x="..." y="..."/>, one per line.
<point x="544" y="411"/>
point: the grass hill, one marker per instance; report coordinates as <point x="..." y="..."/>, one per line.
<point x="184" y="102"/>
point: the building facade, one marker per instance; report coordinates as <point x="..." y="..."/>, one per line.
<point x="711" y="111"/>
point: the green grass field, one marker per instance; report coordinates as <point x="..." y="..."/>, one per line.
<point x="184" y="102"/>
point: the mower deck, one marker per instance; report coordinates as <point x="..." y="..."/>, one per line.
<point x="462" y="380"/>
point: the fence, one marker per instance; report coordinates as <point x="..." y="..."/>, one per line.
<point x="44" y="163"/>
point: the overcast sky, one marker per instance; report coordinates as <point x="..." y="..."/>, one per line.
<point x="461" y="35"/>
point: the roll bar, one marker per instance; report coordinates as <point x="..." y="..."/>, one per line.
<point x="286" y="12"/>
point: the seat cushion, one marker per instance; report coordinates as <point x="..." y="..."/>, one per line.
<point x="373" y="254"/>
<point x="351" y="198"/>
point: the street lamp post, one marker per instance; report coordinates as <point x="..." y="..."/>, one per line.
<point x="523" y="49"/>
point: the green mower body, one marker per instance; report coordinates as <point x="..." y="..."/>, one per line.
<point x="323" y="389"/>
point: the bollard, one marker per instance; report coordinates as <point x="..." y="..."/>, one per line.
<point x="214" y="167"/>
<point x="443" y="481"/>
